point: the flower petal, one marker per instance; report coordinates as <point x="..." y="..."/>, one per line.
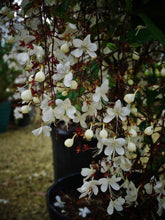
<point x="108" y="118"/>
<point x="70" y="112"/>
<point x="37" y="131"/>
<point x="77" y="42"/>
<point x="77" y="53"/>
<point x="46" y="131"/>
<point x="92" y="47"/>
<point x="110" y="208"/>
<point x="108" y="150"/>
<point x="91" y="53"/>
<point x="115" y="186"/>
<point x="96" y="97"/>
<point x="119" y="150"/>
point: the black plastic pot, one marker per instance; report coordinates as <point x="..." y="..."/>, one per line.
<point x="72" y="181"/>
<point x="67" y="160"/>
<point x="5" y="110"/>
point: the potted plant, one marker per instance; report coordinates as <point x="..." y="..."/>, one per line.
<point x="7" y="79"/>
<point x="99" y="65"/>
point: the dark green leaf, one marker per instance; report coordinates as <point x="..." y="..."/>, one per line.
<point x="142" y="126"/>
<point x="156" y="32"/>
<point x="62" y="8"/>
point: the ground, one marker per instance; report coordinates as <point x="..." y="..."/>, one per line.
<point x="26" y="172"/>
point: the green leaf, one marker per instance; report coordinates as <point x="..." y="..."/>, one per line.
<point x="142" y="126"/>
<point x="156" y="32"/>
<point x="112" y="46"/>
<point x="62" y="8"/>
<point x="143" y="36"/>
<point x="28" y="6"/>
<point x="128" y="5"/>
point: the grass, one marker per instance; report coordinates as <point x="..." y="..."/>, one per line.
<point x="26" y="172"/>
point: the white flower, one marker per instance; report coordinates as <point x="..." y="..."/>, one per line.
<point x="92" y="108"/>
<point x="114" y="144"/>
<point x="87" y="172"/>
<point x="43" y="129"/>
<point x="84" y="46"/>
<point x="163" y="71"/>
<point x="69" y="142"/>
<point x="4" y="201"/>
<point x="159" y="186"/>
<point x="135" y="56"/>
<point x="161" y="203"/>
<point x="17" y="113"/>
<point x="25" y="109"/>
<point x="74" y="84"/>
<point x="117" y="111"/>
<point x="111" y="182"/>
<point x="38" y="51"/>
<point x="40" y="76"/>
<point x="88" y="134"/>
<point x="103" y="133"/>
<point x="80" y="118"/>
<point x="63" y="72"/>
<point x="65" y="48"/>
<point x="47" y="114"/>
<point x="148" y="187"/>
<point x="84" y="211"/>
<point x="88" y="187"/>
<point x="132" y="192"/>
<point x="122" y="162"/>
<point x="129" y="98"/>
<point x="58" y="202"/>
<point x="132" y="133"/>
<point x="22" y="58"/>
<point x="131" y="147"/>
<point x="149" y="130"/>
<point x="115" y="204"/>
<point x="26" y="95"/>
<point x="64" y="107"/>
<point x="101" y="92"/>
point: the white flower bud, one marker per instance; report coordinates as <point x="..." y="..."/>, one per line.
<point x="10" y="15"/>
<point x="131" y="147"/>
<point x="36" y="100"/>
<point x="60" y="87"/>
<point x="89" y="134"/>
<point x="129" y="98"/>
<point x="25" y="109"/>
<point x="73" y="84"/>
<point x="64" y="93"/>
<point x="68" y="142"/>
<point x="135" y="56"/>
<point x="4" y="10"/>
<point x="130" y="82"/>
<point x="65" y="48"/>
<point x="30" y="79"/>
<point x="132" y="133"/>
<point x="162" y="71"/>
<point x="134" y="111"/>
<point x="40" y="76"/>
<point x="26" y="95"/>
<point x="157" y="72"/>
<point x="10" y="39"/>
<point x="103" y="133"/>
<point x="149" y="130"/>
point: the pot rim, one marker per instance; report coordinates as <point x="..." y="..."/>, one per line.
<point x="53" y="186"/>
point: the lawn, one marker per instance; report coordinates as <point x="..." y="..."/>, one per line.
<point x="26" y="172"/>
